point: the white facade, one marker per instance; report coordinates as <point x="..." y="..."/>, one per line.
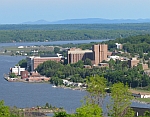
<point x="17" y="70"/>
<point x="113" y="57"/>
<point x="118" y="45"/>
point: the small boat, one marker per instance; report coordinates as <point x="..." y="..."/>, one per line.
<point x="54" y="86"/>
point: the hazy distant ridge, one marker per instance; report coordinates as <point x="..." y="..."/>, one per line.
<point x="91" y="21"/>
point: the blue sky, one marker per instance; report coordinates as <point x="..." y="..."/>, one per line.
<point x="18" y="11"/>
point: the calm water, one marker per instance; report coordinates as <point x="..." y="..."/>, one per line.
<point x="32" y="94"/>
<point x="50" y="43"/>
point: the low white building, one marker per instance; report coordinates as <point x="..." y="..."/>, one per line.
<point x="139" y="95"/>
<point x="119" y="46"/>
<point x="20" y="47"/>
<point x="17" y="70"/>
<point x="113" y="57"/>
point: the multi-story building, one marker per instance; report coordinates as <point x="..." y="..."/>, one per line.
<point x="76" y="54"/>
<point x="97" y="54"/>
<point x="133" y="62"/>
<point x="33" y="62"/>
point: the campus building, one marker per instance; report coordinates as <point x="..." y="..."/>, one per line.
<point x="133" y="62"/>
<point x="76" y="54"/>
<point x="33" y="61"/>
<point x="17" y="70"/>
<point x="97" y="54"/>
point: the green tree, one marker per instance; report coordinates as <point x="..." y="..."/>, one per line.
<point x="12" y="75"/>
<point x="89" y="110"/>
<point x="87" y="62"/>
<point x="56" y="50"/>
<point x="78" y="64"/>
<point x="146" y="114"/>
<point x="4" y="110"/>
<point x="23" y="63"/>
<point x="61" y="114"/>
<point x="121" y="101"/>
<point x="111" y="63"/>
<point x="96" y="90"/>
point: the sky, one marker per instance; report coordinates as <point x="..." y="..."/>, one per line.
<point x="19" y="11"/>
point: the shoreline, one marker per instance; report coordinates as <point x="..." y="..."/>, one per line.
<point x="7" y="78"/>
<point x="36" y="111"/>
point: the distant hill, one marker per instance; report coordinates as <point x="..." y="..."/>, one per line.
<point x="37" y="22"/>
<point x="91" y="21"/>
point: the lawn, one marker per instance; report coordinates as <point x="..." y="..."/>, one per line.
<point x="147" y="100"/>
<point x="139" y="91"/>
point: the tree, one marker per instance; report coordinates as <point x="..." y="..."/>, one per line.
<point x="23" y="63"/>
<point x="61" y="114"/>
<point x="56" y="50"/>
<point x="12" y="75"/>
<point x="79" y="64"/>
<point x="111" y="63"/>
<point x="87" y="62"/>
<point x="121" y="100"/>
<point x="4" y="110"/>
<point x="96" y="89"/>
<point x="89" y="110"/>
<point x="146" y="114"/>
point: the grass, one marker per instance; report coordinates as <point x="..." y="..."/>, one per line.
<point x="147" y="100"/>
<point x="139" y="91"/>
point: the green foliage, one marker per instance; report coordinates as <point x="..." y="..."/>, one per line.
<point x="89" y="110"/>
<point x="56" y="81"/>
<point x="56" y="50"/>
<point x="147" y="114"/>
<point x="4" y="110"/>
<point x="78" y="64"/>
<point x="87" y="62"/>
<point x="28" y="33"/>
<point x="12" y="75"/>
<point x="61" y="114"/>
<point x="23" y="63"/>
<point x="133" y="44"/>
<point x="121" y="101"/>
<point x="118" y="71"/>
<point x="96" y="89"/>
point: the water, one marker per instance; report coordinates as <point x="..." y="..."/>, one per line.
<point x="32" y="94"/>
<point x="50" y="43"/>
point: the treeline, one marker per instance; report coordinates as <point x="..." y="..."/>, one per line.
<point x="61" y="32"/>
<point x="139" y="44"/>
<point x="124" y="26"/>
<point x="118" y="71"/>
<point x="61" y="35"/>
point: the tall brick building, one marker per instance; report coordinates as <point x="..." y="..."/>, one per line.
<point x="97" y="54"/>
<point x="33" y="62"/>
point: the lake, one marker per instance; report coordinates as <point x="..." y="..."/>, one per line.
<point x="32" y="94"/>
<point x="50" y="43"/>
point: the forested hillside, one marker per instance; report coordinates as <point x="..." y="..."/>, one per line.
<point x="28" y="33"/>
<point x="132" y="44"/>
